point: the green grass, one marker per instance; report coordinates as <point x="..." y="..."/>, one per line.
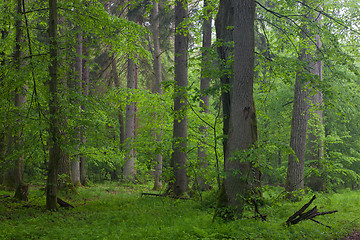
<point x="114" y="211"/>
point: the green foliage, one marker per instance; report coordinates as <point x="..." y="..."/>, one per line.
<point x="112" y="211"/>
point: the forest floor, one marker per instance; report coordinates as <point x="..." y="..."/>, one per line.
<point x="353" y="236"/>
<point x="118" y="211"/>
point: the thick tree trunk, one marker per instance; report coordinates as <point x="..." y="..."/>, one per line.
<point x="157" y="86"/>
<point x="54" y="124"/>
<point x="179" y="155"/>
<point x="242" y="125"/>
<point x="204" y="99"/>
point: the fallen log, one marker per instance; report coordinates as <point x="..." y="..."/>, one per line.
<point x="64" y="204"/>
<point x="309" y="215"/>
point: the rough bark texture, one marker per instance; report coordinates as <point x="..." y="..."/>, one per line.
<point x="54" y="124"/>
<point x="179" y="155"/>
<point x="295" y="170"/>
<point x="242" y="124"/>
<point x="224" y="22"/>
<point x="204" y="103"/>
<point x="315" y="145"/>
<point x="157" y="86"/>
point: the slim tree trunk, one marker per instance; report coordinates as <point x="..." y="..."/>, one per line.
<point x="204" y="99"/>
<point x="130" y="116"/>
<point x="64" y="166"/>
<point x="157" y="86"/>
<point x="54" y="107"/>
<point x="85" y="86"/>
<point x="315" y="145"/>
<point x="129" y="168"/>
<point x="121" y="116"/>
<point x="179" y="155"/>
<point x="115" y="76"/>
<point x="75" y="163"/>
<point x="223" y="23"/>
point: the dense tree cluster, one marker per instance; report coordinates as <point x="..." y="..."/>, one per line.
<point x="192" y="95"/>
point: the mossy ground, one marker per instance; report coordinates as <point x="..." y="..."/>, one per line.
<point x="117" y="211"/>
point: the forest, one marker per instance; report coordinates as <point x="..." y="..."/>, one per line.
<point x="179" y="119"/>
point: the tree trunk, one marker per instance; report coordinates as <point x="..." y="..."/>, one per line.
<point x="129" y="168"/>
<point x="315" y="145"/>
<point x="295" y="171"/>
<point x="223" y="23"/>
<point x="204" y="99"/>
<point x="240" y="176"/>
<point x="121" y="116"/>
<point x="75" y="163"/>
<point x="179" y="155"/>
<point x="157" y="87"/>
<point x="130" y="115"/>
<point x="54" y="107"/>
<point x="85" y="85"/>
<point x="64" y="166"/>
<point x="14" y="175"/>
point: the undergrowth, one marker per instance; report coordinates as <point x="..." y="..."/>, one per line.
<point x="117" y="211"/>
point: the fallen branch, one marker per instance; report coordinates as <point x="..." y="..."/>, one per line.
<point x="64" y="204"/>
<point x="309" y="215"/>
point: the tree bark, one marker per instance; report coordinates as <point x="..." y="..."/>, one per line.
<point x="204" y="99"/>
<point x="240" y="176"/>
<point x="85" y="91"/>
<point x="129" y="171"/>
<point x="54" y="107"/>
<point x="223" y="23"/>
<point x="179" y="155"/>
<point x="13" y="177"/>
<point x="157" y="87"/>
<point x="64" y="166"/>
<point x="295" y="170"/>
<point x="129" y="168"/>
<point x="75" y="163"/>
<point x="315" y="145"/>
